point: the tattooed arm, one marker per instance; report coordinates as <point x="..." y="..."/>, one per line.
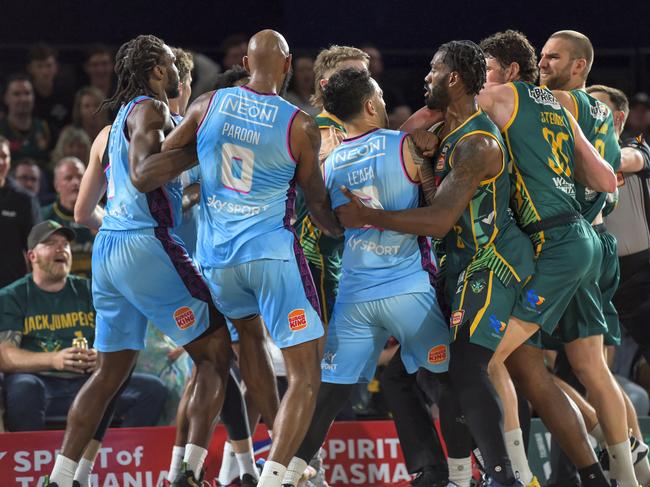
<point x="476" y="158"/>
<point x="419" y="167"/>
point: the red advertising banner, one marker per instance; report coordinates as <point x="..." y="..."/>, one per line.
<point x="364" y="453"/>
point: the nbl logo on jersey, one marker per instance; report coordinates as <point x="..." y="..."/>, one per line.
<point x="248" y="110"/>
<point x="184" y="317"/>
<point x="297" y="320"/>
<point x="543" y="97"/>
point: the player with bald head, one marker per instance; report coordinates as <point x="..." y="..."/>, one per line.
<point x="252" y="145"/>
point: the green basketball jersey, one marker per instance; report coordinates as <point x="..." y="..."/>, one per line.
<point x="596" y="121"/>
<point x="48" y="321"/>
<point x="540" y="141"/>
<point x="486" y="235"/>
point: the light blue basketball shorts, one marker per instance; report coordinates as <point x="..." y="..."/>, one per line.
<point x="358" y="332"/>
<point x="146" y="275"/>
<point x="274" y="289"/>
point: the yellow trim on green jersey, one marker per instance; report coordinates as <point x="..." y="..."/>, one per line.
<point x="575" y="105"/>
<point x="515" y="110"/>
<point x="474" y="115"/>
<point x="481" y="312"/>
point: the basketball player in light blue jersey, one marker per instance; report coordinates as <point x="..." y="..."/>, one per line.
<point x="252" y="147"/>
<point x="386" y="286"/>
<point x="141" y="270"/>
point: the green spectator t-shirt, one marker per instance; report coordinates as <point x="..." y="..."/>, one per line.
<point x="48" y="321"/>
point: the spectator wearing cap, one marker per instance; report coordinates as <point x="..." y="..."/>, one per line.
<point x="19" y="212"/>
<point x="67" y="180"/>
<point x="47" y="328"/>
<point x="28" y="135"/>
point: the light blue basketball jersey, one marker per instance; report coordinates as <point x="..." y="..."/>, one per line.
<point x="247" y="172"/>
<point x="126" y="207"/>
<point x="378" y="263"/>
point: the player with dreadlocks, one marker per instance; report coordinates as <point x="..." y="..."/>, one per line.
<point x="141" y="270"/>
<point x="488" y="256"/>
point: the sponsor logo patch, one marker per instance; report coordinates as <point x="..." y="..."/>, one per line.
<point x="297" y="320"/>
<point x="534" y="299"/>
<point x="438" y="354"/>
<point x="457" y="317"/>
<point x="184" y="317"/>
<point x="498" y="325"/>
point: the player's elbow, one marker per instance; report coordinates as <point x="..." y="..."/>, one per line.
<point x="139" y="180"/>
<point x="609" y="183"/>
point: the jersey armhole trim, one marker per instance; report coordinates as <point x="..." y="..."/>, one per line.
<point x="293" y="117"/>
<point x="575" y="104"/>
<point x="401" y="160"/>
<point x="207" y="110"/>
<point x="515" y="110"/>
<point x="503" y="154"/>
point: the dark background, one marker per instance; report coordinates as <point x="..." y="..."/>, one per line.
<point x="407" y="32"/>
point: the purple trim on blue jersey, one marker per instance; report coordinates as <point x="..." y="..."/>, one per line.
<point x="401" y="160"/>
<point x="425" y="258"/>
<point x="305" y="273"/>
<point x="248" y="88"/>
<point x="358" y="136"/>
<point x="206" y="111"/>
<point x="160" y="207"/>
<point x="182" y="262"/>
<point x="289" y="135"/>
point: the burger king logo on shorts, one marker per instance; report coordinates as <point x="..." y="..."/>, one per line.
<point x="184" y="317"/>
<point x="438" y="354"/>
<point x="297" y="320"/>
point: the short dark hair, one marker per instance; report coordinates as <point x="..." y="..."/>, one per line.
<point x="619" y="100"/>
<point x="16" y="77"/>
<point x="97" y="49"/>
<point x="346" y="92"/>
<point x="468" y="60"/>
<point x="580" y="47"/>
<point x="40" y="52"/>
<point x="230" y="77"/>
<point x="512" y="46"/>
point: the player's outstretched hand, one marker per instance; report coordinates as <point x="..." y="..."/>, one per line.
<point x="426" y="142"/>
<point x="354" y="213"/>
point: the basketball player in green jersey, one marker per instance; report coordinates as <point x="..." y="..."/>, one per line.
<point x="565" y="63"/>
<point x="324" y="253"/>
<point x="548" y="152"/>
<point x="488" y="257"/>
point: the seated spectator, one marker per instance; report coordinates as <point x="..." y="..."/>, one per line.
<point x="52" y="99"/>
<point x="19" y="212"/>
<point x="301" y="87"/>
<point x="84" y="112"/>
<point x="73" y="142"/>
<point x="67" y="179"/>
<point x="392" y="92"/>
<point x="47" y="318"/>
<point x="28" y="136"/>
<point x="98" y="66"/>
<point x="28" y="175"/>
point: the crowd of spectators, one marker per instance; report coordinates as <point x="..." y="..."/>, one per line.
<point x="48" y="120"/>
